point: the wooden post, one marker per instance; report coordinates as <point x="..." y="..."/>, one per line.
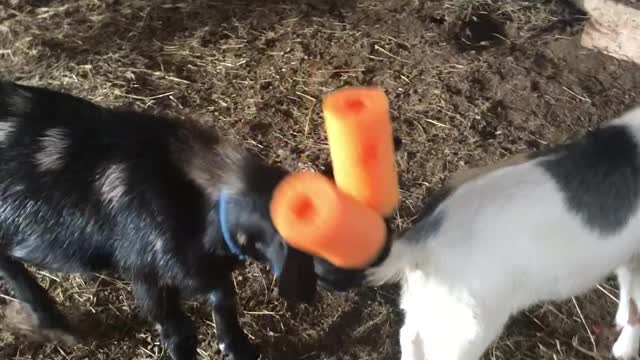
<point x="613" y="28"/>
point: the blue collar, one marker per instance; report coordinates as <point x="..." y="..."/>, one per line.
<point x="224" y="226"/>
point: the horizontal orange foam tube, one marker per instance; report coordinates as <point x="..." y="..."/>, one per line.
<point x="315" y="217"/>
<point x="360" y="138"/>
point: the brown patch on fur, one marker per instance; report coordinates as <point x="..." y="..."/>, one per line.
<point x="21" y="320"/>
<point x="465" y="175"/>
<point x="634" y="315"/>
<point x="211" y="163"/>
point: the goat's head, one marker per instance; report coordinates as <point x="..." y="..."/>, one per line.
<point x="245" y="216"/>
<point x="338" y="279"/>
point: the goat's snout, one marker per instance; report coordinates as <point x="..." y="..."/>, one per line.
<point x="334" y="278"/>
<point x="249" y="232"/>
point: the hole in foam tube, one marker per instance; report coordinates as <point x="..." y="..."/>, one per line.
<point x="304" y="209"/>
<point x="355" y="105"/>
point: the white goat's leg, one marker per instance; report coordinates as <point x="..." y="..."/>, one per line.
<point x="626" y="347"/>
<point x="410" y="341"/>
<point x="490" y="327"/>
<point x="441" y="324"/>
<point x="627" y="317"/>
<point x="457" y="338"/>
<point x="624" y="283"/>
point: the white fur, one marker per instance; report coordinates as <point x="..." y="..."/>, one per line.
<point x="507" y="241"/>
<point x="111" y="184"/>
<point x="7" y="128"/>
<point x="53" y="145"/>
<point x="628" y="343"/>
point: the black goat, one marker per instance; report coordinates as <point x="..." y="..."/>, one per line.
<point x="161" y="201"/>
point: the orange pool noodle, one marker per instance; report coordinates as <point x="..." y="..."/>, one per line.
<point x="315" y="217"/>
<point x="360" y="137"/>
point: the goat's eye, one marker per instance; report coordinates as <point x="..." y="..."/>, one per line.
<point x="242" y="238"/>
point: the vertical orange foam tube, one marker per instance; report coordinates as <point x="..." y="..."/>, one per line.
<point x="360" y="138"/>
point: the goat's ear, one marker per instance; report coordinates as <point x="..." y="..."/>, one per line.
<point x="397" y="143"/>
<point x="298" y="282"/>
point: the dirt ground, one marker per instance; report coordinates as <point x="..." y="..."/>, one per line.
<point x="470" y="82"/>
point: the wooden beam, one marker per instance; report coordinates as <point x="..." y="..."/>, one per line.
<point x="613" y="28"/>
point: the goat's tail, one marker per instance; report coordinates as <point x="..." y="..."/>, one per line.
<point x="392" y="269"/>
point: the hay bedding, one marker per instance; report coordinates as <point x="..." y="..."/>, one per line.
<point x="470" y="81"/>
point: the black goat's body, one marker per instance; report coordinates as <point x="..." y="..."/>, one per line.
<point x="56" y="218"/>
<point x="89" y="189"/>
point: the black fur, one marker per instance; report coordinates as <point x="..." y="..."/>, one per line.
<point x="425" y="229"/>
<point x="332" y="277"/>
<point x="162" y="232"/>
<point x="429" y="222"/>
<point x="599" y="175"/>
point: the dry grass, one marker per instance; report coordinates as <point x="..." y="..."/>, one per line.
<point x="257" y="69"/>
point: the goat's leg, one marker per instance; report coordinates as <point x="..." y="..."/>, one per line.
<point x="624" y="284"/>
<point x="410" y="341"/>
<point x="231" y="339"/>
<point x="627" y="345"/>
<point x="45" y="318"/>
<point x="443" y="325"/>
<point x="162" y="306"/>
<point x="457" y="339"/>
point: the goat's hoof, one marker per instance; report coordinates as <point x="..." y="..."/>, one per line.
<point x="621" y="356"/>
<point x="60" y="336"/>
<point x="622" y="353"/>
<point x="48" y="327"/>
<point x="243" y="350"/>
<point x="181" y="348"/>
<point x="182" y="354"/>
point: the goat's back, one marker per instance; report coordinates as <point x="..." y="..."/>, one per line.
<point x="551" y="226"/>
<point x="82" y="186"/>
